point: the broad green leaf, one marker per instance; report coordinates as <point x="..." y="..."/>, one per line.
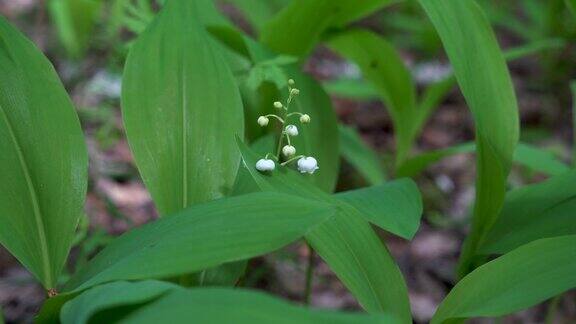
<point x="346" y="242"/>
<point x="485" y="82"/>
<point x="203" y="236"/>
<point x="519" y="279"/>
<point x="167" y="303"/>
<point x="362" y="157"/>
<point x="181" y="109"/>
<point x="75" y="21"/>
<point x="534" y="212"/>
<point x="382" y="65"/>
<point x="43" y="164"/>
<point x="1" y="317"/>
<point x="394" y="206"/>
<point x="299" y="26"/>
<point x="532" y="157"/>
<point x="112" y="295"/>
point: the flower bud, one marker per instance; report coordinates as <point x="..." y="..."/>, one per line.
<point x="263" y="121"/>
<point x="291" y="130"/>
<point x="291" y="82"/>
<point x="294" y="92"/>
<point x="307" y="165"/>
<point x="305" y="119"/>
<point x="288" y="150"/>
<point x="264" y="165"/>
<point x="278" y="105"/>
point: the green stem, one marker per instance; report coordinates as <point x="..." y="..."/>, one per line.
<point x="309" y="275"/>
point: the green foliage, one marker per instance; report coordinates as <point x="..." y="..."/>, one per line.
<point x="153" y="302"/>
<point x="532" y="157"/>
<point x="384" y="68"/>
<point x="176" y="83"/>
<point x="526" y="276"/>
<point x="75" y="21"/>
<point x="202" y="237"/>
<point x="346" y="242"/>
<point x="299" y="26"/>
<point x="484" y="80"/>
<point x="43" y="165"/>
<point x="534" y="212"/>
<point x="394" y="206"/>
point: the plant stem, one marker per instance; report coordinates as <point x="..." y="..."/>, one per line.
<point x="309" y="275"/>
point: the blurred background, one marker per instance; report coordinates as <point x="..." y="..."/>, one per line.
<point x="88" y="47"/>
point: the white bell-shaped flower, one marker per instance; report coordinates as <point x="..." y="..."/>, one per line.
<point x="307" y="164"/>
<point x="288" y="150"/>
<point x="278" y="105"/>
<point x="263" y="121"/>
<point x="305" y="119"/>
<point x="291" y="130"/>
<point x="265" y="165"/>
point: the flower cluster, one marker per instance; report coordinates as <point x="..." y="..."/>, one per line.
<point x="305" y="164"/>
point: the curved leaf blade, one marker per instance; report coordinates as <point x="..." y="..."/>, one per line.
<point x="524" y="277"/>
<point x="534" y="212"/>
<point x="115" y="294"/>
<point x="44" y="162"/>
<point x="485" y="82"/>
<point x="181" y="109"/>
<point x="382" y="65"/>
<point x="203" y="236"/>
<point x="395" y="206"/>
<point x="169" y="303"/>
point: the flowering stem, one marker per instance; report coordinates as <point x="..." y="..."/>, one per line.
<point x="292" y="159"/>
<point x="295" y="113"/>
<point x="277" y="117"/>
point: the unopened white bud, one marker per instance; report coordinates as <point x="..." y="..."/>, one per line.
<point x="291" y="82"/>
<point x="305" y="119"/>
<point x="294" y="92"/>
<point x="265" y="165"/>
<point x="263" y="121"/>
<point x="278" y="105"/>
<point x="291" y="130"/>
<point x="307" y="165"/>
<point x="288" y="150"/>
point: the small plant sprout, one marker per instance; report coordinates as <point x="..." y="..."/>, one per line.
<point x="285" y="149"/>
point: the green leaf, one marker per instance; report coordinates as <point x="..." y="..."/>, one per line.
<point x="524" y="277"/>
<point x="485" y="82"/>
<point x="181" y="109"/>
<point x="382" y="65"/>
<point x="571" y="4"/>
<point x="44" y="162"/>
<point x="167" y="303"/>
<point x="532" y="157"/>
<point x="113" y="295"/>
<point x="346" y="242"/>
<point x="362" y="157"/>
<point x="203" y="236"/>
<point x="299" y="26"/>
<point x="394" y="206"/>
<point x="75" y="21"/>
<point x="1" y="317"/>
<point x="534" y="212"/>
